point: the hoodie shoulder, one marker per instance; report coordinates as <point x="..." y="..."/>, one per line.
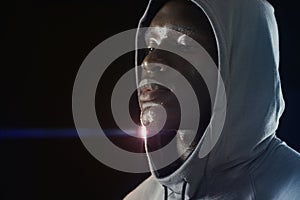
<point x="278" y="176"/>
<point x="148" y="189"/>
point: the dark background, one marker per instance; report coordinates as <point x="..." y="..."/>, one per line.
<point x="43" y="45"/>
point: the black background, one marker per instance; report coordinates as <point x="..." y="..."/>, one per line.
<point x="42" y="47"/>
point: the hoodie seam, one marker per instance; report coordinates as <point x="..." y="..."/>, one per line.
<point x="252" y="186"/>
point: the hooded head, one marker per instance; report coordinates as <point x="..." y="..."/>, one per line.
<point x="178" y="31"/>
<point x="241" y="37"/>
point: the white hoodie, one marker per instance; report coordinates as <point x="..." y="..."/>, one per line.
<point x="248" y="161"/>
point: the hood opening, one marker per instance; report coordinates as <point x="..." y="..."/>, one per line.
<point x="248" y="60"/>
<point x="153" y="8"/>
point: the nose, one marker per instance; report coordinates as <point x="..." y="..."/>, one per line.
<point x="154" y="63"/>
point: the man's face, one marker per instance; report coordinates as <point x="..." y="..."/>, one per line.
<point x="190" y="22"/>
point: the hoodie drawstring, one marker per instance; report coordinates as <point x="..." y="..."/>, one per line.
<point x="182" y="191"/>
<point x="166" y="192"/>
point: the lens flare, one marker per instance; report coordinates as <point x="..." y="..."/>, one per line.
<point x="143" y="132"/>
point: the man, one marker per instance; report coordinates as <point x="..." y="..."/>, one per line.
<point x="248" y="161"/>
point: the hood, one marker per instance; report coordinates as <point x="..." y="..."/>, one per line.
<point x="248" y="54"/>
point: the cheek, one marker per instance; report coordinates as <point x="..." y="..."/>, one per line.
<point x="143" y="73"/>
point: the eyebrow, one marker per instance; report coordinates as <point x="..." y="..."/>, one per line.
<point x="187" y="30"/>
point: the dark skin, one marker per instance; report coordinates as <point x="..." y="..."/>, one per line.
<point x="187" y="19"/>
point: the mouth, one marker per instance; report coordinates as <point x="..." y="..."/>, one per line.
<point x="152" y="93"/>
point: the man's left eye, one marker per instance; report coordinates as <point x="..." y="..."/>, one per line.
<point x="182" y="43"/>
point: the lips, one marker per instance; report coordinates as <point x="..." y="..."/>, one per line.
<point x="152" y="94"/>
<point x="151" y="90"/>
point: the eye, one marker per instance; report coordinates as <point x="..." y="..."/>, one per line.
<point x="152" y="44"/>
<point x="150" y="49"/>
<point x="182" y="40"/>
<point x="184" y="43"/>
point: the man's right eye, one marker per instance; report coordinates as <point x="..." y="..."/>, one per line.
<point x="152" y="44"/>
<point x="150" y="49"/>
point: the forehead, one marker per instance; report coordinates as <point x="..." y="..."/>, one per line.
<point x="181" y="16"/>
